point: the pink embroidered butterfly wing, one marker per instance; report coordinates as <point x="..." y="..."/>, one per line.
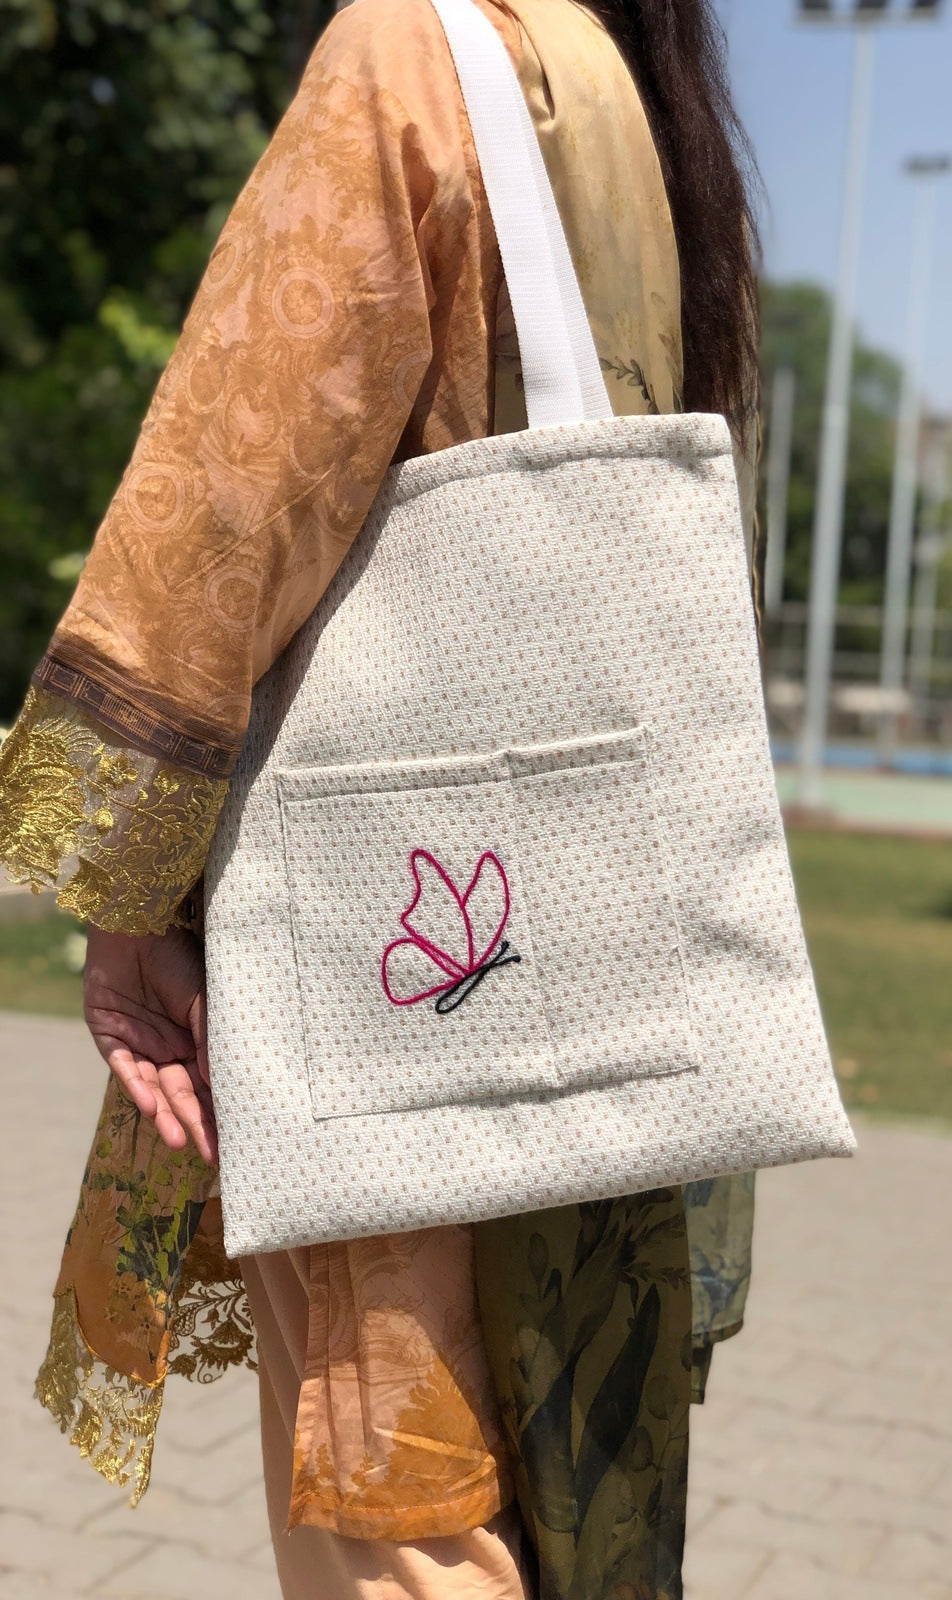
<point x="486" y="905"/>
<point x="449" y="933"/>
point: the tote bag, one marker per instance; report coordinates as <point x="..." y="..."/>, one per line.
<point x="499" y="910"/>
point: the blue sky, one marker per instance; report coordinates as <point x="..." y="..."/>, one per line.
<point x="792" y="86"/>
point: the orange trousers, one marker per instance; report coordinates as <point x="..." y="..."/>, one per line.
<point x="315" y="1564"/>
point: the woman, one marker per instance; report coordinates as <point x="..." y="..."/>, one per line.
<point x="499" y="1410"/>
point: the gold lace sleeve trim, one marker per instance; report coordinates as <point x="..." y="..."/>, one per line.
<point x="120" y="835"/>
<point x="110" y="1418"/>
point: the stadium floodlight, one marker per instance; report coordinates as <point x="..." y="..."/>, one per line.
<point x="866" y="11"/>
<point x="863" y="16"/>
<point x="927" y="166"/>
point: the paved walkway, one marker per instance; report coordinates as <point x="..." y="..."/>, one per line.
<point x="822" y="1463"/>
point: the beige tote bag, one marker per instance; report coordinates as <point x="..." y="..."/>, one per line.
<point x="499" y="909"/>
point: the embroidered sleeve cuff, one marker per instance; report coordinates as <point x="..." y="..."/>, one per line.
<point x="120" y="835"/>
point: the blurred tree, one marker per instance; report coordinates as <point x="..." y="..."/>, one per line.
<point x="126" y="129"/>
<point x="796" y="326"/>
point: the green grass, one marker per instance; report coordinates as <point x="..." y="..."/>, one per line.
<point x="34" y="970"/>
<point x="878" y="915"/>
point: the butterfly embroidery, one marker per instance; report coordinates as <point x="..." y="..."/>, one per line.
<point x="453" y="938"/>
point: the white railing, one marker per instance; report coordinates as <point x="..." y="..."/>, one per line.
<point x="857" y="701"/>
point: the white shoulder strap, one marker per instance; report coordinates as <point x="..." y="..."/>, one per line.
<point x="560" y="366"/>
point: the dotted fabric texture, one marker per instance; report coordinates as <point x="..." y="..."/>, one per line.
<point x="541" y="645"/>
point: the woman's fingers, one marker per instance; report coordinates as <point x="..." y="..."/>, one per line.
<point x="166" y="1096"/>
<point x="145" y="1007"/>
<point x="168" y="1127"/>
<point x="129" y="1072"/>
<point x="187" y="1110"/>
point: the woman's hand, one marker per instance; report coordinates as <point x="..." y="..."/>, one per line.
<point x="144" y="1001"/>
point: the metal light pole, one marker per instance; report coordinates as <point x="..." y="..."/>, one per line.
<point x="929" y="549"/>
<point x="926" y="170"/>
<point x="929" y="556"/>
<point x="834" y="444"/>
<point x="779" y="450"/>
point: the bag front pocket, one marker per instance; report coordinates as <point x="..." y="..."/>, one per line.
<point x="481" y="928"/>
<point x="415" y="964"/>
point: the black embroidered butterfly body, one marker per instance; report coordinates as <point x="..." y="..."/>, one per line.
<point x="451" y="999"/>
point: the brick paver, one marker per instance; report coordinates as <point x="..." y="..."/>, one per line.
<point x="822" y="1462"/>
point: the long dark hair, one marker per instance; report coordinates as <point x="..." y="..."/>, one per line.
<point x="676" y="52"/>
